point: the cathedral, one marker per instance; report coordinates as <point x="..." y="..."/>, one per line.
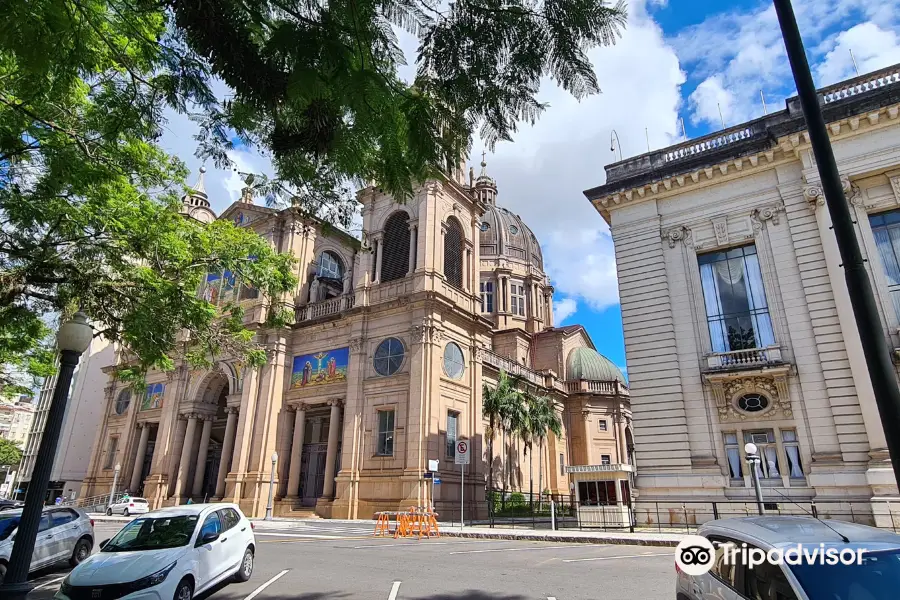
<point x="395" y="337"/>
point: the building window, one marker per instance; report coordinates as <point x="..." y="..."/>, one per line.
<point x="605" y="459"/>
<point x="388" y="357"/>
<point x="517" y="298"/>
<point x="562" y="463"/>
<point x="485" y="225"/>
<point x="111" y="448"/>
<point x="735" y="300"/>
<point x="122" y="402"/>
<point x="768" y="467"/>
<point x="452" y="423"/>
<point x="385" y="442"/>
<point x="753" y="403"/>
<point x="597" y="493"/>
<point x="487" y="296"/>
<point x="886" y="229"/>
<point x="733" y="452"/>
<point x="395" y="247"/>
<point x="453" y="253"/>
<point x="602" y="424"/>
<point x="792" y="452"/>
<point x="454" y="362"/>
<point x="329" y="266"/>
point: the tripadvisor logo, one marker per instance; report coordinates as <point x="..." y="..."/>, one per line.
<point x="695" y="555"/>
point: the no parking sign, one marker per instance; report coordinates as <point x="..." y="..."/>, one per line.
<point x="462" y="452"/>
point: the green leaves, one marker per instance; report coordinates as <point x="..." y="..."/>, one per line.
<point x="10" y="454"/>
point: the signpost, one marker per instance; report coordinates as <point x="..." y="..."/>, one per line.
<point x="433" y="466"/>
<point x="462" y="459"/>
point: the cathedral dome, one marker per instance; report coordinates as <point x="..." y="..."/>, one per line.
<point x="504" y="234"/>
<point x="586" y="363"/>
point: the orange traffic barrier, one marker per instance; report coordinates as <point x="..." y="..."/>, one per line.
<point x="417" y="521"/>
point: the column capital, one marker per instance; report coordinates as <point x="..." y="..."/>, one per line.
<point x="336" y="402"/>
<point x="232" y="410"/>
<point x="301" y="407"/>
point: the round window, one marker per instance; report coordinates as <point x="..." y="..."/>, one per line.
<point x="388" y="357"/>
<point x="485" y="225"/>
<point x="753" y="402"/>
<point x="454" y="362"/>
<point x="123" y="401"/>
<point x="513" y="229"/>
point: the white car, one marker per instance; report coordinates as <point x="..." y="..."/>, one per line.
<point x="167" y="554"/>
<point x="129" y="506"/>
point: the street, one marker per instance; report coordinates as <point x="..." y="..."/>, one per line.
<point x="324" y="560"/>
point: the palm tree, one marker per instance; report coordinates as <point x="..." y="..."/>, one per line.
<point x="512" y="419"/>
<point x="493" y="408"/>
<point x="544" y="420"/>
<point x="527" y="432"/>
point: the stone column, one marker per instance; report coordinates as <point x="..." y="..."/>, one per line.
<point x="139" y="459"/>
<point x="181" y="487"/>
<point x="334" y="430"/>
<point x="379" y="251"/>
<point x="467" y="276"/>
<point x="200" y="469"/>
<point x="227" y="448"/>
<point x="412" y="249"/>
<point x="293" y="489"/>
<point x="622" y="445"/>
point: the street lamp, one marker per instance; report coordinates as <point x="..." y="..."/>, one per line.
<point x="271" y="488"/>
<point x="112" y="491"/>
<point x="613" y="143"/>
<point x="72" y="339"/>
<point x="754" y="459"/>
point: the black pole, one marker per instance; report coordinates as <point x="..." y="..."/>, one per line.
<point x="871" y="334"/>
<point x="15" y="585"/>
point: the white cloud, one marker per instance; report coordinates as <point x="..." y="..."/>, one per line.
<point x="873" y="47"/>
<point x="563" y="309"/>
<point x="711" y="102"/>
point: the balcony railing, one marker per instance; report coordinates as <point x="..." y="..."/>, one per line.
<point x="585" y="386"/>
<point x="862" y="84"/>
<point x="599" y="468"/>
<point x="512" y="367"/>
<point x="755" y="357"/>
<point x="332" y="306"/>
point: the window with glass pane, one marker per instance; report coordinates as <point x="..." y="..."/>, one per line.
<point x="562" y="463"/>
<point x="111" y="448"/>
<point x="886" y="229"/>
<point x="733" y="452"/>
<point x="329" y="266"/>
<point x="452" y="421"/>
<point x="768" y="467"/>
<point x="487" y="296"/>
<point x="735" y="300"/>
<point x="602" y="424"/>
<point x="388" y="357"/>
<point x="385" y="433"/>
<point x="604" y="459"/>
<point x="792" y="453"/>
<point x="517" y="299"/>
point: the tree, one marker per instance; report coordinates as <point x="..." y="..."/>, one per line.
<point x="89" y="201"/>
<point x="512" y="420"/>
<point x="10" y="454"/>
<point x="494" y="399"/>
<point x="545" y="420"/>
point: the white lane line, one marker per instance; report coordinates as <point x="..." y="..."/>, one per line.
<point x="394" y="589"/>
<point x="257" y="591"/>
<point x="49" y="583"/>
<point x="550" y="598"/>
<point x="615" y="557"/>
<point x="418" y="543"/>
<point x="304" y="535"/>
<point x="517" y="549"/>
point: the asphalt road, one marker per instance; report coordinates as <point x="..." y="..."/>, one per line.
<point x="334" y="561"/>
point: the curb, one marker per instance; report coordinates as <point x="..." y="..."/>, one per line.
<point x="560" y="539"/>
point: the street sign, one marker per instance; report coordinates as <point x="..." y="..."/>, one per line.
<point x="437" y="481"/>
<point x="434" y="465"/>
<point x="428" y="475"/>
<point x="462" y="452"/>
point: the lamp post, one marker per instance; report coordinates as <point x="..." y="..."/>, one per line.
<point x="72" y="339"/>
<point x="865" y="311"/>
<point x="615" y="143"/>
<point x="271" y="488"/>
<point x="754" y="459"/>
<point x="112" y="491"/>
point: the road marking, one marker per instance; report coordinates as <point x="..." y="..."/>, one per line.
<point x="49" y="583"/>
<point x="256" y="592"/>
<point x="307" y="541"/>
<point x="419" y="543"/>
<point x="517" y="549"/>
<point x="312" y="536"/>
<point x="615" y="557"/>
<point x="394" y="589"/>
<point x="550" y="598"/>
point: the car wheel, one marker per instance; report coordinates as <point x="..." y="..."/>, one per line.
<point x="108" y="512"/>
<point x="246" y="568"/>
<point x="184" y="591"/>
<point x="125" y="512"/>
<point x="2" y="572"/>
<point x="82" y="551"/>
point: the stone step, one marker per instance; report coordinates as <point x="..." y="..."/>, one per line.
<point x="303" y="512"/>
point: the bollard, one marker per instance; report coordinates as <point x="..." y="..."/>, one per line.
<point x="552" y="515"/>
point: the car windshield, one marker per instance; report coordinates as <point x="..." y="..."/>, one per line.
<point x="139" y="501"/>
<point x="153" y="534"/>
<point x="877" y="578"/>
<point x="8" y="524"/>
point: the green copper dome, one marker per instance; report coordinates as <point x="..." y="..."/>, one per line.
<point x="587" y="363"/>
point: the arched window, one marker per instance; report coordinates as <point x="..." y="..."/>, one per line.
<point x="453" y="253"/>
<point x="395" y="249"/>
<point x="123" y="401"/>
<point x="329" y="266"/>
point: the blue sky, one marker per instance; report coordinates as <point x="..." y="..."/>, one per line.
<point x="677" y="60"/>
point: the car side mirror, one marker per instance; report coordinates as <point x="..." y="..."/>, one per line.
<point x="209" y="537"/>
<point x="103" y="543"/>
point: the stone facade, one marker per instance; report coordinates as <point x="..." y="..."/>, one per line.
<point x="744" y="207"/>
<point x="383" y="368"/>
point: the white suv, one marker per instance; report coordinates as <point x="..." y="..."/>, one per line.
<point x="169" y="553"/>
<point x="129" y="506"/>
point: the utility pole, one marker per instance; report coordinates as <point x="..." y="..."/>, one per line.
<point x="878" y="359"/>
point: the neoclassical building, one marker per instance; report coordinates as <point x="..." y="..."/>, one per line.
<point x="381" y="371"/>
<point x="738" y="324"/>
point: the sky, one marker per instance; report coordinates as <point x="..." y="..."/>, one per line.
<point x="696" y="62"/>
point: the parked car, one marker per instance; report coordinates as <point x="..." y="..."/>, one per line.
<point x="129" y="506"/>
<point x="876" y="577"/>
<point x="64" y="534"/>
<point x="10" y="504"/>
<point x="173" y="552"/>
